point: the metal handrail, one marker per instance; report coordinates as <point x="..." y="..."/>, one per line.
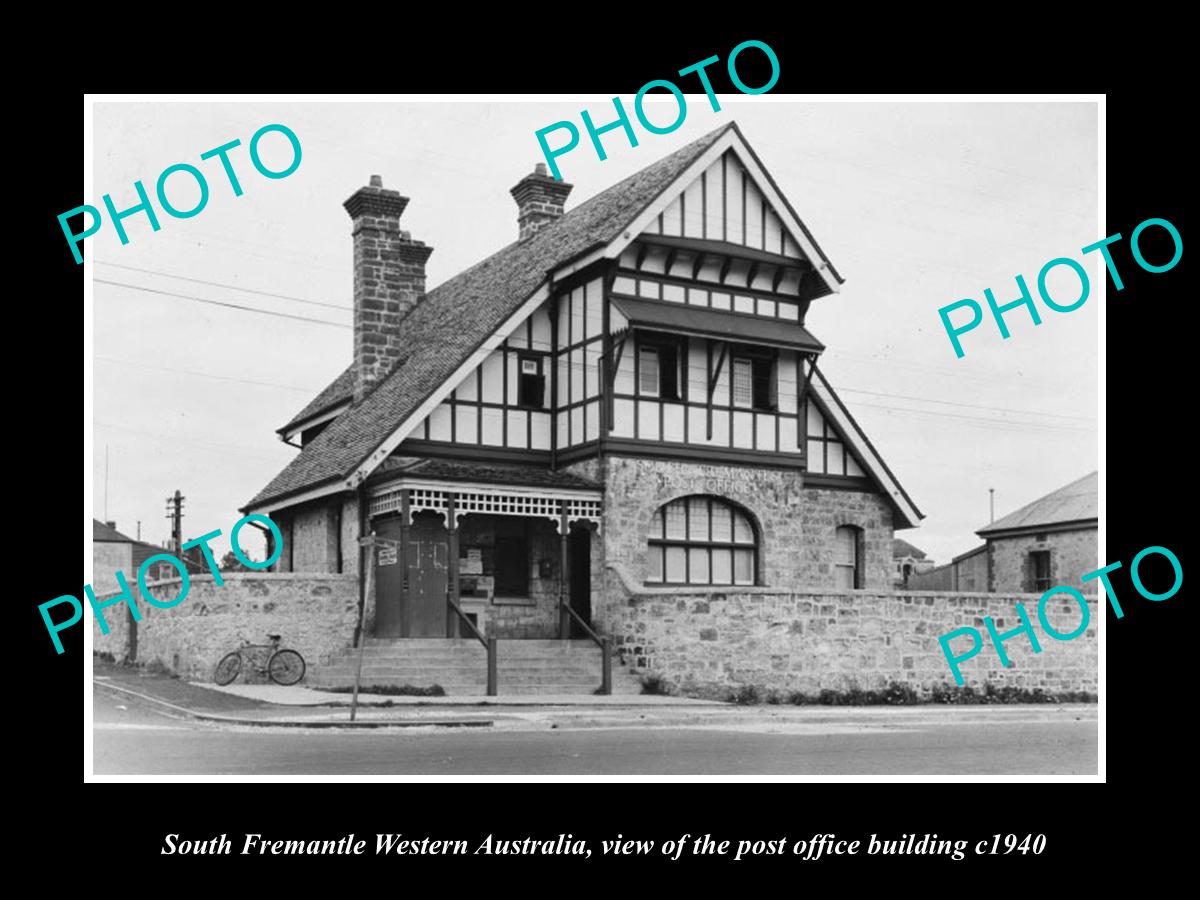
<point x="605" y="644"/>
<point x="489" y="644"/>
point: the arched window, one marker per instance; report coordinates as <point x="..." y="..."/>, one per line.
<point x="847" y="562"/>
<point x="702" y="540"/>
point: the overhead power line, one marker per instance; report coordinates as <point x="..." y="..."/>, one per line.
<point x="231" y="287"/>
<point x="286" y="387"/>
<point x="265" y="312"/>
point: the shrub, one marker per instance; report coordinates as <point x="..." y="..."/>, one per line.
<point x="653" y="683"/>
<point x="157" y="667"/>
<point x="746" y="695"/>
<point x="394" y="690"/>
<point x="104" y="656"/>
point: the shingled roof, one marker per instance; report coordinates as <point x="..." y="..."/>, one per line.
<point x="1079" y="501"/>
<point x="455" y="318"/>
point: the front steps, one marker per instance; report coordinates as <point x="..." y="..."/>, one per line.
<point x="459" y="665"/>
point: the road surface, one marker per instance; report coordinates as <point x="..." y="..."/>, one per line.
<point x="136" y="740"/>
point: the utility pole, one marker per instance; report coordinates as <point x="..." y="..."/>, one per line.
<point x="139" y="521"/>
<point x="991" y="505"/>
<point x="175" y="514"/>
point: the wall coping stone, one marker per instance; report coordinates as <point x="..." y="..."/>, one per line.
<point x="637" y="589"/>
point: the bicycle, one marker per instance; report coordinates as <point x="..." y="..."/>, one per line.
<point x="282" y="666"/>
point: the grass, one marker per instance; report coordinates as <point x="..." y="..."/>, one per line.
<point x="403" y="690"/>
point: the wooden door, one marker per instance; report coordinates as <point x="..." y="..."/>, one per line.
<point x="428" y="572"/>
<point x="389" y="578"/>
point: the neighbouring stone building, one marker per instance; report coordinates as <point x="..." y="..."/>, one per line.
<point x="1053" y="540"/>
<point x="615" y="429"/>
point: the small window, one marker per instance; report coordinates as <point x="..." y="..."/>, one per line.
<point x="532" y="388"/>
<point x="1039" y="570"/>
<point x="846" y="563"/>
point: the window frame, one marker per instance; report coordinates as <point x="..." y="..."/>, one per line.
<point x="1040" y="584"/>
<point x="539" y="359"/>
<point x="660" y="543"/>
<point x="665" y="347"/>
<point x="856" y="565"/>
<point x="763" y="398"/>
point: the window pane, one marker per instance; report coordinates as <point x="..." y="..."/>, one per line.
<point x="698" y="565"/>
<point x="722" y="523"/>
<point x="743" y="567"/>
<point x="656" y="524"/>
<point x="846" y="546"/>
<point x="743" y="382"/>
<point x="843" y="578"/>
<point x="648" y="374"/>
<point x="698" y="519"/>
<point x="676" y="520"/>
<point x="722" y="566"/>
<point x="742" y="532"/>
<point x="655" y="566"/>
<point x="676" y="570"/>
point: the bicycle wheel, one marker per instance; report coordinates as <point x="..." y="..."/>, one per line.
<point x="228" y="669"/>
<point x="286" y="667"/>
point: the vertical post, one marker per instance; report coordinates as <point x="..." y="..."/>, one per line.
<point x="405" y="605"/>
<point x="564" y="599"/>
<point x="362" y="638"/>
<point x="606" y="663"/>
<point x="491" y="663"/>
<point x="452" y="567"/>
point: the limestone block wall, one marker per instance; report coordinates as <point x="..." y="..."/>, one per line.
<point x="315" y="613"/>
<point x="808" y="641"/>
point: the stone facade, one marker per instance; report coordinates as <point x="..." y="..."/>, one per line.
<point x="320" y="537"/>
<point x="316" y="615"/>
<point x="1072" y="555"/>
<point x="796" y="524"/>
<point x="809" y="641"/>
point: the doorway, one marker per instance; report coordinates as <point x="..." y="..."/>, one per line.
<point x="410" y="588"/>
<point x="580" y="579"/>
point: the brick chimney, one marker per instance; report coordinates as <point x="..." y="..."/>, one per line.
<point x="540" y="200"/>
<point x="389" y="280"/>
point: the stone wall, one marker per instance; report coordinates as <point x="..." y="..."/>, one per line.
<point x="796" y="524"/>
<point x="808" y="641"/>
<point x="315" y="613"/>
<point x="1073" y="554"/>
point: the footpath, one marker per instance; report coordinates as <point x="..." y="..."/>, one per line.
<point x="268" y="705"/>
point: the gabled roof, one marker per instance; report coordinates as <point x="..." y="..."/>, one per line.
<point x="456" y="318"/>
<point x="340" y="390"/>
<point x="106" y="533"/>
<point x="902" y="548"/>
<point x="1078" y="501"/>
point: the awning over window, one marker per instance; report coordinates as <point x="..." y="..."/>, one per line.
<point x="723" y="326"/>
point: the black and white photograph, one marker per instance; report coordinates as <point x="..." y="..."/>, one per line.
<point x="508" y="437"/>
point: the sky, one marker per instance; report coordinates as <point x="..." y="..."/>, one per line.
<point x="918" y="205"/>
